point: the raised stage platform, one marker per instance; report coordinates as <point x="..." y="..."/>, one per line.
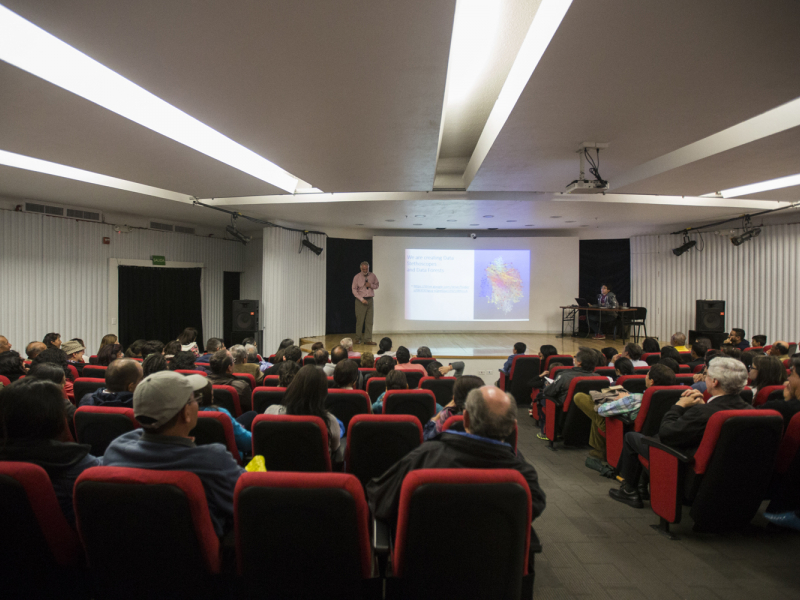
<point x="461" y="346"/>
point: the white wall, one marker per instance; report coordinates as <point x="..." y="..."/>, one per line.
<point x="293" y="288"/>
<point x="554" y="282"/>
<point x="54" y="274"/>
<point x="759" y="281"/>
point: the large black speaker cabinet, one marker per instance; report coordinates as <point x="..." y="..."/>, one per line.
<point x="710" y="316"/>
<point x="245" y="315"/>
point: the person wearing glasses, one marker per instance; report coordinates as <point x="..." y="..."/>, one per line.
<point x="166" y="405"/>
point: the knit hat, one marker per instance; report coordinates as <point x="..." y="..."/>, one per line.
<point x="71" y="347"/>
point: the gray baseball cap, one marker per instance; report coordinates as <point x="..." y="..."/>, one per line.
<point x="160" y="396"/>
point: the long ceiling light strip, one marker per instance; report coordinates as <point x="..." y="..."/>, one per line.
<point x="28" y="163"/>
<point x="32" y="49"/>
<point x="755" y="188"/>
<point x="545" y="23"/>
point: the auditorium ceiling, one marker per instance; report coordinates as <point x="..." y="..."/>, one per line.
<point x="361" y="101"/>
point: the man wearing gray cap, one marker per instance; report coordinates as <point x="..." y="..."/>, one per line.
<point x="165" y="404"/>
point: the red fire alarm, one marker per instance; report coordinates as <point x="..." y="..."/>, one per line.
<point x="106" y="240"/>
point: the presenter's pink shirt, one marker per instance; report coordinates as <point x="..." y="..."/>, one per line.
<point x="359" y="291"/>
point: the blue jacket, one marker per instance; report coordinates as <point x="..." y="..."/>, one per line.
<point x="507" y="367"/>
<point x="243" y="437"/>
<point x="212" y="463"/>
<point x="205" y="359"/>
<point x="100" y="397"/>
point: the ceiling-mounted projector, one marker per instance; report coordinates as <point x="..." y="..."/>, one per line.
<point x="581" y="185"/>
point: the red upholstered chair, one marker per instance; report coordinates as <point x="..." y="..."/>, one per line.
<point x="413" y="378"/>
<point x="304" y="535"/>
<point x="214" y="427"/>
<point x="246" y="377"/>
<point x="291" y="442"/>
<point x="264" y="397"/>
<point x="346" y="404"/>
<point x="686" y="356"/>
<point x="227" y="397"/>
<point x="555" y="370"/>
<point x="271" y="381"/>
<point x="86" y="385"/>
<point x="496" y="504"/>
<point x="191" y="372"/>
<point x="93" y="359"/>
<point x="367" y="370"/>
<point x="423" y="361"/>
<point x="641" y="370"/>
<point x="656" y="401"/>
<point x="765" y="392"/>
<point x="523" y="369"/>
<point x="98" y="426"/>
<point x="456" y="422"/>
<point x="331" y="383"/>
<point x="73" y="372"/>
<point x="635" y="384"/>
<point x="651" y="358"/>
<point x="564" y="359"/>
<point x="308" y="359"/>
<point x="699" y="368"/>
<point x="726" y="479"/>
<point x="605" y="372"/>
<point x="375" y="387"/>
<point x="155" y="523"/>
<point x="568" y="420"/>
<point x="686" y="379"/>
<point x="441" y="387"/>
<point x="785" y="487"/>
<point x="94" y="371"/>
<point x="767" y="348"/>
<point x="39" y="552"/>
<point x="420" y="403"/>
<point x="684" y="369"/>
<point x="5" y="380"/>
<point x="376" y="442"/>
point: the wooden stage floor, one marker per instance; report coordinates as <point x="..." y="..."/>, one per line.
<point x="470" y="345"/>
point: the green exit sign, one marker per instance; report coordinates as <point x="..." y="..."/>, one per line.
<point x="159" y="261"/>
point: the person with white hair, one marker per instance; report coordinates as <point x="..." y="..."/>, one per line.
<point x="347" y="344"/>
<point x="683" y="425"/>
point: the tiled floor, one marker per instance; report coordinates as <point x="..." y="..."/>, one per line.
<point x="597" y="548"/>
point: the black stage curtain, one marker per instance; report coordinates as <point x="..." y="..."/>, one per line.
<point x="158" y="304"/>
<point x="605" y="262"/>
<point x="344" y="258"/>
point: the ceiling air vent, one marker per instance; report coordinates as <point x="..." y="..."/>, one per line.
<point x="161" y="226"/>
<point x="83" y="214"/>
<point x="44" y="209"/>
<point x="180" y="229"/>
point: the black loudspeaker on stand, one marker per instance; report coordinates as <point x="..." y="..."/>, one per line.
<point x="710" y="316"/>
<point x="245" y="321"/>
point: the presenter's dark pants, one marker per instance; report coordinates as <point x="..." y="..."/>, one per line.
<point x="364" y="314"/>
<point x="595" y="319"/>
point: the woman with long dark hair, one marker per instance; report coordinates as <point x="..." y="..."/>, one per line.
<point x="188" y="340"/>
<point x="766" y="370"/>
<point x="306" y="395"/>
<point x="109" y="354"/>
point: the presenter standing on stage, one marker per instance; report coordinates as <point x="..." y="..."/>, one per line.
<point x="364" y="286"/>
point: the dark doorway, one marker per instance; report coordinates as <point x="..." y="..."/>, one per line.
<point x="344" y="258"/>
<point x="230" y="292"/>
<point x="159" y="303"/>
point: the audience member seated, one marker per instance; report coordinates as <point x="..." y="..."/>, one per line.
<point x="306" y="395"/>
<point x="154" y="363"/>
<point x="758" y="341"/>
<point x="700" y="378"/>
<point x="608" y="356"/>
<point x="634" y="352"/>
<point x="519" y="348"/>
<point x="74" y="351"/>
<point x="135" y="349"/>
<point x="241" y="424"/>
<point x="32" y="421"/>
<point x="52" y="340"/>
<point x="317" y="346"/>
<point x="489" y="417"/>
<point x="107" y="340"/>
<point x="54" y="374"/>
<point x="152" y="347"/>
<point x="252" y="352"/>
<point x="395" y="380"/>
<point x="678" y="341"/>
<point x="11" y="364"/>
<point x="747" y="358"/>
<point x="385" y="347"/>
<point x="221" y="366"/>
<point x="345" y="375"/>
<point x="670" y="352"/>
<point x="347" y="344"/>
<point x="424" y="352"/>
<point x="213" y="345"/>
<point x="188" y="341"/>
<point x="242" y="365"/>
<point x="320" y="357"/>
<point x="698" y="354"/>
<point x="403" y="356"/>
<point x="56" y="357"/>
<point x="544" y="352"/>
<point x="109" y="354"/>
<point x="437" y="369"/>
<point x="671" y="364"/>
<point x="790" y="405"/>
<point x="584" y="363"/>
<point x="122" y="377"/>
<point x="171" y="349"/>
<point x="338" y="354"/>
<point x="599" y="405"/>
<point x="683" y="425"/>
<point x="166" y="406"/>
<point x="780" y="350"/>
<point x="650" y="345"/>
<point x="33" y="349"/>
<point x="185" y="361"/>
<point x="286" y="373"/>
<point x="367" y="360"/>
<point x="290" y="354"/>
<point x="731" y="351"/>
<point x="286" y="343"/>
<point x="624" y="366"/>
<point x="737" y="338"/>
<point x="463" y="386"/>
<point x="383" y="366"/>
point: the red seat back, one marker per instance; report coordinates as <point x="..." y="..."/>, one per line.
<point x="635" y="384"/>
<point x="420" y="403"/>
<point x="292" y="442"/>
<point x="764" y="392"/>
<point x="86" y="385"/>
<point x="271" y="381"/>
<point x="790" y="444"/>
<point x="375" y="387"/>
<point x="442" y="388"/>
<point x="214" y="427"/>
<point x="564" y="359"/>
<point x="4" y="380"/>
<point x="346" y="404"/>
<point x="98" y="426"/>
<point x="227" y="397"/>
<point x="264" y="397"/>
<point x="191" y="372"/>
<point x="656" y="401"/>
<point x="251" y="381"/>
<point x="376" y="442"/>
<point x="94" y="371"/>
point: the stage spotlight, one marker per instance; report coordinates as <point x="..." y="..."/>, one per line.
<point x="238" y="234"/>
<point x="687" y="245"/>
<point x="315" y="249"/>
<point x="748" y="235"/>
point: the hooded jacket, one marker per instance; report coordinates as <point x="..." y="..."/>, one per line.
<point x="102" y="397"/>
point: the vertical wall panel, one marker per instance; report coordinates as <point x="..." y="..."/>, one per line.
<point x="293" y="284"/>
<point x="54" y="274"/>
<point x="758" y="280"/>
<point x="250" y="287"/>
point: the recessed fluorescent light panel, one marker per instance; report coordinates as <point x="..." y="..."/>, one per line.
<point x="28" y="163"/>
<point x="755" y="188"/>
<point x="32" y="49"/>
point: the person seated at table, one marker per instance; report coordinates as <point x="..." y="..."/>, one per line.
<point x="595" y="319"/>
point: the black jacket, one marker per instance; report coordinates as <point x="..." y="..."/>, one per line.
<point x="450" y="451"/>
<point x="787" y="408"/>
<point x="559" y="388"/>
<point x="683" y="428"/>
